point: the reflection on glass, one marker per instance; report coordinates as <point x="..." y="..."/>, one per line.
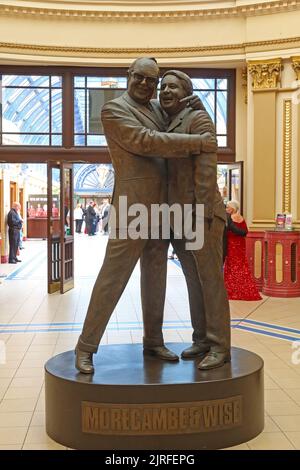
<point x="97" y="98"/>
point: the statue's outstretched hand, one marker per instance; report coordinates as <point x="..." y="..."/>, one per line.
<point x="194" y="102"/>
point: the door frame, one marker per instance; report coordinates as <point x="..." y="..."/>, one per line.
<point x="60" y="247"/>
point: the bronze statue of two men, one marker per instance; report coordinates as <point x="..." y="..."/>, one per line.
<point x="162" y="152"/>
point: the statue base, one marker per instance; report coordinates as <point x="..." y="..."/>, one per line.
<point x="134" y="401"/>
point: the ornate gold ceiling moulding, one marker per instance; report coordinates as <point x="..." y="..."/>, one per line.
<point x="265" y="73"/>
<point x="169" y="11"/>
<point x="296" y="66"/>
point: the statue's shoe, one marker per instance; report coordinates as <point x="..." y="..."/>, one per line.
<point x="214" y="359"/>
<point x="196" y="350"/>
<point x="161" y="352"/>
<point x="84" y="361"/>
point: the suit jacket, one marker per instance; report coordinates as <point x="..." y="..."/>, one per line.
<point x="194" y="179"/>
<point x="14" y="220"/>
<point x="135" y="145"/>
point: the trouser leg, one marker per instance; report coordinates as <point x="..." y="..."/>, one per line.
<point x="120" y="259"/>
<point x="209" y="265"/>
<point x="153" y="290"/>
<point x="195" y="293"/>
<point x="14" y="238"/>
<point x="11" y="256"/>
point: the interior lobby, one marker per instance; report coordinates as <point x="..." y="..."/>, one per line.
<point x="60" y="61"/>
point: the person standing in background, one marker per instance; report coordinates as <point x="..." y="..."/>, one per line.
<point x="78" y="217"/>
<point x="90" y="216"/>
<point x="239" y="281"/>
<point x="14" y="223"/>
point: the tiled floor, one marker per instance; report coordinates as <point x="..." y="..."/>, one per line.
<point x="34" y="326"/>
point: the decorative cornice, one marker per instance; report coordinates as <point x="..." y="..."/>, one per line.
<point x="296" y="66"/>
<point x="98" y="52"/>
<point x="138" y="11"/>
<point x="265" y="73"/>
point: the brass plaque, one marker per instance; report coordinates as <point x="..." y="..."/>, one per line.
<point x="161" y="418"/>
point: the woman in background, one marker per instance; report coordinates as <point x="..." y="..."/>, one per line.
<point x="239" y="281"/>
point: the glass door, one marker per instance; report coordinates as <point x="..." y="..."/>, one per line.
<point x="60" y="230"/>
<point x="230" y="182"/>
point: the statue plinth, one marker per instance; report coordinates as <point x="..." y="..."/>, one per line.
<point x="140" y="402"/>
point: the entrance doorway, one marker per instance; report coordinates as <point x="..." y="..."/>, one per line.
<point x="230" y="182"/>
<point x="48" y="199"/>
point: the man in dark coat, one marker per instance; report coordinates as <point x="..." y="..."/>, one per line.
<point x="14" y="223"/>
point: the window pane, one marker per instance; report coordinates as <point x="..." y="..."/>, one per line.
<point x="222" y="140"/>
<point x="97" y="98"/>
<point x="79" y="82"/>
<point x="56" y="111"/>
<point x="29" y="139"/>
<point x="25" y="80"/>
<point x="25" y="110"/>
<point x="107" y="82"/>
<point x="79" y="140"/>
<point x="98" y="140"/>
<point x="56" y="140"/>
<point x="79" y="111"/>
<point x="208" y="100"/>
<point x="203" y="83"/>
<point x="221" y="112"/>
<point x="222" y="83"/>
<point x="56" y="82"/>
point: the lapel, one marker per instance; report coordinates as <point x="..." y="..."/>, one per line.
<point x="154" y="115"/>
<point x="177" y="120"/>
